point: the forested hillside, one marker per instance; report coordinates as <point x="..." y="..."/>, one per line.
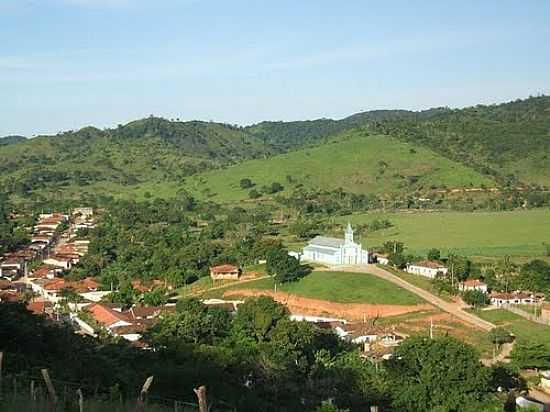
<point x="116" y="160"/>
<point x="507" y="143"/>
<point x="510" y="140"/>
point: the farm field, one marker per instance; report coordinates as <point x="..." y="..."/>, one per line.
<point x="515" y="233"/>
<point x="339" y="287"/>
<point x="355" y="161"/>
<point x="526" y="331"/>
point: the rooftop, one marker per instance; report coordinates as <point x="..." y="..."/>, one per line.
<point x="432" y="264"/>
<point x="326" y="241"/>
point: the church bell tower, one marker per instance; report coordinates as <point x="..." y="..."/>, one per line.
<point x="348" y="237"/>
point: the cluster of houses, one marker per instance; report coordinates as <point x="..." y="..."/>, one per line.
<point x="431" y="269"/>
<point x="15" y="265"/>
<point x="37" y="268"/>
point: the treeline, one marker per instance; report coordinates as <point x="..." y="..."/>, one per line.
<point x="258" y="360"/>
<point x="12" y="231"/>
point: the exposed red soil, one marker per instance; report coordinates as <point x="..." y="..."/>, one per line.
<point x="317" y="307"/>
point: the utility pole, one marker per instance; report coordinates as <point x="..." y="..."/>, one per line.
<point x="431" y="328"/>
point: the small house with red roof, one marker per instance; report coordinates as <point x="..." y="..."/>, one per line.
<point x="225" y="272"/>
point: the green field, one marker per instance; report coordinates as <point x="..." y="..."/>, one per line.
<point x="517" y="233"/>
<point x="355" y="161"/>
<point x="340" y="287"/>
<point x="525" y="330"/>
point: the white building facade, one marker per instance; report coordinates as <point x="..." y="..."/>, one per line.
<point x="334" y="251"/>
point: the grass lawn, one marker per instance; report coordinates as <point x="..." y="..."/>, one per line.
<point x="525" y="330"/>
<point x="516" y="233"/>
<point x="340" y="287"/>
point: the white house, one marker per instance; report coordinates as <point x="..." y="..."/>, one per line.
<point x="381" y="258"/>
<point x="473" y="284"/>
<point x="336" y="251"/>
<point x="427" y="268"/>
<point x="519" y="298"/>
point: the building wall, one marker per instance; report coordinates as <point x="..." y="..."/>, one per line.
<point x="226" y="276"/>
<point x="424" y="271"/>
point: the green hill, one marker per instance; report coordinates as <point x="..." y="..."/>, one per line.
<point x="116" y="160"/>
<point x="509" y="140"/>
<point x="11" y="140"/>
<point x="356" y="161"/>
<point x="507" y="143"/>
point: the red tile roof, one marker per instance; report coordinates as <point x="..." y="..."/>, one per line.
<point x="474" y="282"/>
<point x="429" y="264"/>
<point x="106" y="316"/>
<point x="42" y="271"/>
<point x="224" y="269"/>
<point x="37" y="308"/>
<point x="510" y="296"/>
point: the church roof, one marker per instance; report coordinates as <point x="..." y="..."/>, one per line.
<point x="320" y="250"/>
<point x="326" y="241"/>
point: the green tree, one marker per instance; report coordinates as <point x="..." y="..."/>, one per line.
<point x="498" y="336"/>
<point x="283" y="267"/>
<point x="257" y="317"/>
<point x="434" y="254"/>
<point x="246" y="183"/>
<point x="441" y="374"/>
<point x="475" y="298"/>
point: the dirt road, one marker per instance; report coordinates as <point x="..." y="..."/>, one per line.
<point x="452" y="308"/>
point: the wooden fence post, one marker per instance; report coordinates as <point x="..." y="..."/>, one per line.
<point x="52" y="397"/>
<point x="80" y="400"/>
<point x="1" y="359"/>
<point x="201" y="396"/>
<point x="14" y="388"/>
<point x="140" y="405"/>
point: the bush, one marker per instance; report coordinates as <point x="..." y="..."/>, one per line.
<point x="254" y="194"/>
<point x="246" y="183"/>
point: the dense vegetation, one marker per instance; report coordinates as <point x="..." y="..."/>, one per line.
<point x="12" y="231"/>
<point x="510" y="140"/>
<point x="159" y="239"/>
<point x="152" y="157"/>
<point x="11" y="139"/>
<point x="258" y="360"/>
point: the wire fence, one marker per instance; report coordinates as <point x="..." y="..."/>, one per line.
<point x="37" y="392"/>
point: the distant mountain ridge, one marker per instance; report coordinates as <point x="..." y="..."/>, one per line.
<point x="509" y="142"/>
<point x="11" y="139"/>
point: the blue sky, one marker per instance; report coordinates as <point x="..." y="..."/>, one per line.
<point x="65" y="64"/>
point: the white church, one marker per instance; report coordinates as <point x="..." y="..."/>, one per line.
<point x="336" y="251"/>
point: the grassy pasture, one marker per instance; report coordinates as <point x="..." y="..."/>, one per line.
<point x="355" y="161"/>
<point x="516" y="233"/>
<point x="526" y="331"/>
<point x="340" y="287"/>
